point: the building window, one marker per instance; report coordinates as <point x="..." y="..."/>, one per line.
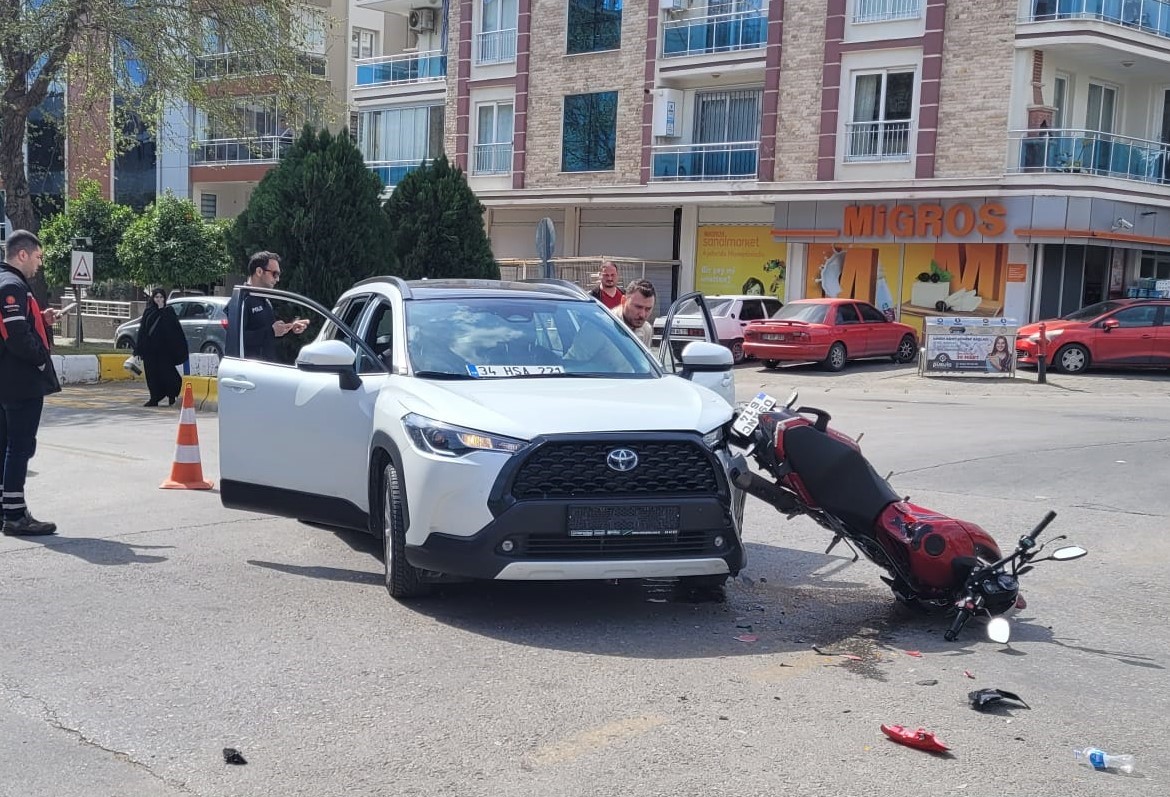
<point x="496" y="41"/>
<point x="395" y="141"/>
<point x="207" y="205"/>
<point x="589" y="134"/>
<point x="594" y="25"/>
<point x="493" y="147"/>
<point x="363" y="43"/>
<point x="883" y="104"/>
<point x="886" y="10"/>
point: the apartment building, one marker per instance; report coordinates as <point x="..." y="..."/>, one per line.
<point x="1000" y="158"/>
<point x="215" y="161"/>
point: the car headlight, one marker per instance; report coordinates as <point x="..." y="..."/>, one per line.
<point x="433" y="437"/>
<point x="1056" y="333"/>
<point x="714" y="438"/>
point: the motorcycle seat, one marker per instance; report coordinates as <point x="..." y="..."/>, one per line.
<point x="839" y="479"/>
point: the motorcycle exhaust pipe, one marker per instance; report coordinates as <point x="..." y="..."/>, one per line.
<point x="767" y="491"/>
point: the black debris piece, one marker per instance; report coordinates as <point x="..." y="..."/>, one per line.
<point x="233" y="756"/>
<point x="981" y="699"/>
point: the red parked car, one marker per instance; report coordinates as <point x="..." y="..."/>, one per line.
<point x="831" y="331"/>
<point x="1119" y="332"/>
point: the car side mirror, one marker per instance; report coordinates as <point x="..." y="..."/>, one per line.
<point x="331" y="357"/>
<point x="1110" y="324"/>
<point x="703" y="356"/>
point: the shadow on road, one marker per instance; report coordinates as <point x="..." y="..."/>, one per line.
<point x="101" y="551"/>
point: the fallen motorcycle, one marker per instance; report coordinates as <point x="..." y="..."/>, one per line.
<point x="931" y="560"/>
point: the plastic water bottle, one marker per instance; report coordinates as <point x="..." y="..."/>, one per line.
<point x="1099" y="759"/>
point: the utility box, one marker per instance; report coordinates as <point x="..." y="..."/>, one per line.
<point x="668" y="106"/>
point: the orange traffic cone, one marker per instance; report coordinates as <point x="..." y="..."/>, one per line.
<point x="187" y="471"/>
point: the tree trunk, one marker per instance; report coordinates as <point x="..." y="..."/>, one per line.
<point x="14" y="178"/>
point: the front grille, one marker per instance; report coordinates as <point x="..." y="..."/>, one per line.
<point x="579" y="469"/>
<point x="560" y="546"/>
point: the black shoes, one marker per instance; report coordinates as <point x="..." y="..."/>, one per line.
<point x="26" y="526"/>
<point x="151" y="403"/>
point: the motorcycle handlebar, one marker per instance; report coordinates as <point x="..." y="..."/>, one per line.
<point x="1030" y="540"/>
<point x="960" y="620"/>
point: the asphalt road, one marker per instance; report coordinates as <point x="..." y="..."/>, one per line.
<point x="159" y="628"/>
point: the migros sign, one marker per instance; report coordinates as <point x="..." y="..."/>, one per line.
<point x="925" y="220"/>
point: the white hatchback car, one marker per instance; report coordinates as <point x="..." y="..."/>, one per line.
<point x="731" y="315"/>
<point x="486" y="430"/>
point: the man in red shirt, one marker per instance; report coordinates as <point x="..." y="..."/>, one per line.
<point x="607" y="291"/>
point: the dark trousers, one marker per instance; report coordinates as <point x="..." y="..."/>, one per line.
<point x="19" y="421"/>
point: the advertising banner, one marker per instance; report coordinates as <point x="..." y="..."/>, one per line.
<point x="740" y="260"/>
<point x="969" y="346"/>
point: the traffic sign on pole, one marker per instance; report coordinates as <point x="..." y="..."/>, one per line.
<point x="81" y="272"/>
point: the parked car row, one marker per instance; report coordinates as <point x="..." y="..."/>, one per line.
<point x="1116" y="333"/>
<point x="203" y="318"/>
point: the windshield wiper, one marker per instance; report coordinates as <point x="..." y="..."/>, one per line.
<point x="442" y="375"/>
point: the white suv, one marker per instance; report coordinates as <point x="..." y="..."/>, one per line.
<point x="484" y="429"/>
<point x="730" y="314"/>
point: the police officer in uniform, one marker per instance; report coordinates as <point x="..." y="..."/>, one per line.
<point x="26" y="377"/>
<point x="261" y="328"/>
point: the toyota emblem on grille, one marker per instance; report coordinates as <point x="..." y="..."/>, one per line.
<point x="623" y="460"/>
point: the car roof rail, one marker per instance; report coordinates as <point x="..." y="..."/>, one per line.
<point x="554" y="282"/>
<point x="397" y="282"/>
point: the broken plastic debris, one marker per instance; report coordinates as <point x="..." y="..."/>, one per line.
<point x="927" y="682"/>
<point x="851" y="657"/>
<point x="968" y="674"/>
<point x="920" y="739"/>
<point x="233" y="756"/>
<point x="915" y="653"/>
<point x="982" y="698"/>
<point x="747" y="637"/>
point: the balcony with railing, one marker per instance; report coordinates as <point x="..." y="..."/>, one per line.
<point x="715" y="33"/>
<point x="1089" y="153"/>
<point x="734" y="160"/>
<point x="219" y="66"/>
<point x="492" y="159"/>
<point x="1150" y="16"/>
<point x="495" y="46"/>
<point x="229" y="151"/>
<point x="397" y="70"/>
<point x="877" y="141"/>
<point x="886" y="10"/>
<point x="392" y="172"/>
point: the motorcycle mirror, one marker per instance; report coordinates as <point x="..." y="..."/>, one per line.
<point x="790" y="402"/>
<point x="1068" y="553"/>
<point x="999" y="630"/>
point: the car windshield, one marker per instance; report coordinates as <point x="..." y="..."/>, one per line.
<point x="717" y="307"/>
<point x="508" y="336"/>
<point x="796" y="311"/>
<point x="1092" y="311"/>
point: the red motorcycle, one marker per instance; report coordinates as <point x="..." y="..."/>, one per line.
<point x="931" y="560"/>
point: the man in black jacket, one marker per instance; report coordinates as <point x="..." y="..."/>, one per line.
<point x="26" y="377"/>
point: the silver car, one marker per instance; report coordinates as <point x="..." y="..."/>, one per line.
<point x="203" y="318"/>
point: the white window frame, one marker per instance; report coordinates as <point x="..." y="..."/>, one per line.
<point x="1104" y="85"/>
<point x="357" y="40"/>
<point x="1062" y="114"/>
<point x="882" y="131"/>
<point x="492" y="157"/>
<point x="886" y="10"/>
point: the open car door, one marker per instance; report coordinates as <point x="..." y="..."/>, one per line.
<point x="693" y="351"/>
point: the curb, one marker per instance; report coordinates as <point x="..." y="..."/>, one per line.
<point x="75" y="369"/>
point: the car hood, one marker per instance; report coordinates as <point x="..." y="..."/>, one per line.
<point x="525" y="408"/>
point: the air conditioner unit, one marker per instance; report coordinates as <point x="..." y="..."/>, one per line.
<point x="422" y="20"/>
<point x="674" y="6"/>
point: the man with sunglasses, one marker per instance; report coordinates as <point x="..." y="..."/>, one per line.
<point x="261" y="326"/>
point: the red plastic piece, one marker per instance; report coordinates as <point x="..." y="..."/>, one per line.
<point x="920" y="739"/>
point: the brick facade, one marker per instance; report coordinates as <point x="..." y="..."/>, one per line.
<point x="799" y="120"/>
<point x="976" y="89"/>
<point x="555" y="74"/>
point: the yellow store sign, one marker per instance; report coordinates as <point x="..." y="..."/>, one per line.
<point x="734" y="259"/>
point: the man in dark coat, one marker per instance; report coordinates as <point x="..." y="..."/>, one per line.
<point x="162" y="345"/>
<point x="26" y="377"/>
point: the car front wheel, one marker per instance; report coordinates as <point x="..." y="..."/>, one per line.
<point x="907" y="348"/>
<point x="403" y="580"/>
<point x="1072" y="359"/>
<point x="835" y="359"/>
<point x="125" y="343"/>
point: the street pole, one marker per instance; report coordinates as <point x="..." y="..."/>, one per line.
<point x="1041" y="356"/>
<point x="77" y="299"/>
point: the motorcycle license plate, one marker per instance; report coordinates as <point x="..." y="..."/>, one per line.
<point x="749" y="418"/>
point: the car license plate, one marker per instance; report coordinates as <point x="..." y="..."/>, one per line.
<point x="749" y="417"/>
<point x="774" y="336"/>
<point x="623" y="521"/>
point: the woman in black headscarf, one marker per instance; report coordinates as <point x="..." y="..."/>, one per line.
<point x="162" y="345"/>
